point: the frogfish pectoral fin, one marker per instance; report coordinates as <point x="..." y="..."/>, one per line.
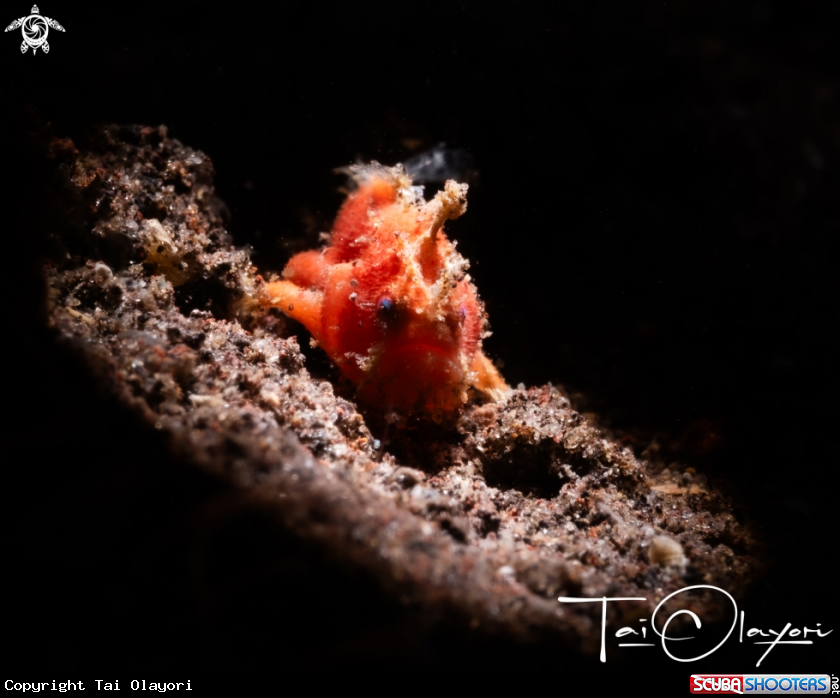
<point x="301" y="304"/>
<point x="487" y="378"/>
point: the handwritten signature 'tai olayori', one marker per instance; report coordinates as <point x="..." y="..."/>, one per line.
<point x="786" y="632"/>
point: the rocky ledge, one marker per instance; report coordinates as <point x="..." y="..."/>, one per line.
<point x="482" y="522"/>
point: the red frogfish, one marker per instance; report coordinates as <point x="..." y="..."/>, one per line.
<point x="390" y="301"/>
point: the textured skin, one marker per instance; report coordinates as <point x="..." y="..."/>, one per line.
<point x="390" y="301"/>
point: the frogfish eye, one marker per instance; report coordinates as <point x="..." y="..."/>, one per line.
<point x="386" y="305"/>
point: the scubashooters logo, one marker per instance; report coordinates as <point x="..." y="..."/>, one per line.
<point x="35" y="28"/>
<point x="739" y="684"/>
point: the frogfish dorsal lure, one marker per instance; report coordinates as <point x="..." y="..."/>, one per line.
<point x="390" y="300"/>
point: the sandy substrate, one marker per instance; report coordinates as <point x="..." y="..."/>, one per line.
<point x="483" y="521"/>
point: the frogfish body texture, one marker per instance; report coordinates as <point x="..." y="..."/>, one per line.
<point x="389" y="299"/>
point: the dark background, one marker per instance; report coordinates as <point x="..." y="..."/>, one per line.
<point x="650" y="227"/>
